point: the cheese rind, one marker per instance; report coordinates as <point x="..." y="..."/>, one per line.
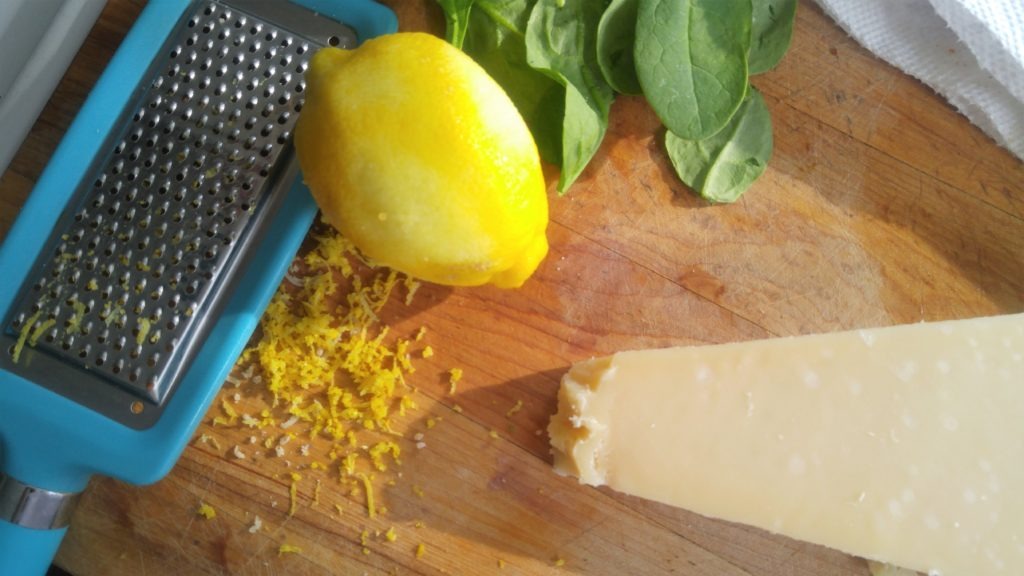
<point x="903" y="444"/>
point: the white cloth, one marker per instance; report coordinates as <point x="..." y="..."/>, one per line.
<point x="969" y="51"/>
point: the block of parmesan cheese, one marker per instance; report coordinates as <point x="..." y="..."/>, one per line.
<point x="903" y="445"/>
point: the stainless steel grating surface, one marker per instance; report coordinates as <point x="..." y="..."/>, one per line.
<point x="163" y="221"/>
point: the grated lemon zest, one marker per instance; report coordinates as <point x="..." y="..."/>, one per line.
<point x="371" y="508"/>
<point x="288" y="549"/>
<point x="454" y="375"/>
<point x="38" y="332"/>
<point x="206" y="511"/>
<point x="23" y="335"/>
<point x="293" y="493"/>
<point x="144" y="326"/>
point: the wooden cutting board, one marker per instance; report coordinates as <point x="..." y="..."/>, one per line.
<point x="880" y="206"/>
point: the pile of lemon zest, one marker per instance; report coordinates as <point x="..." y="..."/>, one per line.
<point x="421" y="549"/>
<point x="288" y="549"/>
<point x="324" y="359"/>
<point x="457" y="408"/>
<point x="391" y="535"/>
<point x="427" y="352"/>
<point x="454" y="375"/>
<point x="364" y="537"/>
<point x="431" y="422"/>
<point x="293" y="493"/>
<point x="371" y="507"/>
<point x="23" y="335"/>
<point x="339" y="509"/>
<point x="501" y="564"/>
<point x="559" y="562"/>
<point x="516" y="408"/>
<point x="206" y="511"/>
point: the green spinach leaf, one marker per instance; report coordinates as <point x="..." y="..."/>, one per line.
<point x="771" y="33"/>
<point x="616" y="34"/>
<point x="496" y="40"/>
<point x="456" y="15"/>
<point x="691" y="60"/>
<point x="561" y="38"/>
<point x="722" y="167"/>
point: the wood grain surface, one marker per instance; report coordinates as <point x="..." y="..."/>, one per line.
<point x="880" y="206"/>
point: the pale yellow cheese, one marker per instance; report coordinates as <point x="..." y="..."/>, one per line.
<point x="903" y="445"/>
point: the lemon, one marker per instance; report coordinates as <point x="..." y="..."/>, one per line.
<point x="418" y="157"/>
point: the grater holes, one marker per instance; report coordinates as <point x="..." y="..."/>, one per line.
<point x="334" y="41"/>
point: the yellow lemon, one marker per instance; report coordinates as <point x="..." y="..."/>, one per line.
<point x="417" y="156"/>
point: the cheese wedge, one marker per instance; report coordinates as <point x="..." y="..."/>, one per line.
<point x="903" y="445"/>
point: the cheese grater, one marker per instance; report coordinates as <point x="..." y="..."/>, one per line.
<point x="154" y="239"/>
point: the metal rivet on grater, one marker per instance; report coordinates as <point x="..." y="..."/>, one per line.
<point x="135" y="272"/>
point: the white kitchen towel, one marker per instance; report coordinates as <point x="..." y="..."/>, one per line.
<point x="969" y="51"/>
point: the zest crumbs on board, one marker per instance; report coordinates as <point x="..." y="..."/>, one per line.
<point x="332" y="374"/>
<point x="206" y="511"/>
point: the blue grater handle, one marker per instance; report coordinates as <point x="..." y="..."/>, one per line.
<point x="27" y="551"/>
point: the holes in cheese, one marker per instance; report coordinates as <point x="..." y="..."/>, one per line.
<point x="903" y="445"/>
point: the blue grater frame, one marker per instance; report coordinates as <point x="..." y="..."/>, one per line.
<point x="51" y="442"/>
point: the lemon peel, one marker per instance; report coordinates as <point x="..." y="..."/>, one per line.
<point x="420" y="158"/>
